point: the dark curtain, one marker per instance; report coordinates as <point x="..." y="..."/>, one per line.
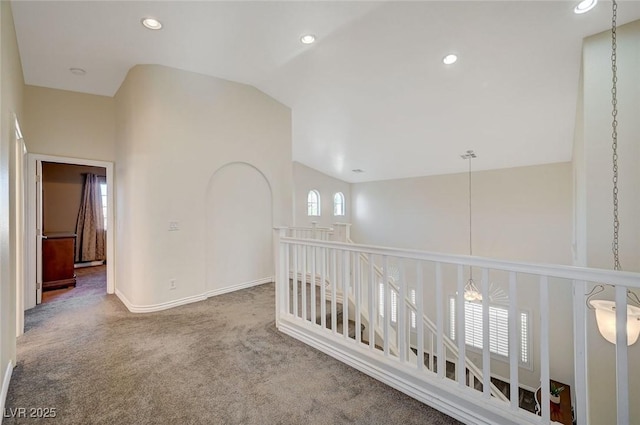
<point x="90" y="230"/>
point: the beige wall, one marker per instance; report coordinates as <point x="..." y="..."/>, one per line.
<point x="522" y="213"/>
<point x="595" y="208"/>
<point x="176" y="129"/>
<point x="11" y="87"/>
<point x="305" y="179"/>
<point x="69" y="124"/>
<point x="62" y="191"/>
<point x="519" y="213"/>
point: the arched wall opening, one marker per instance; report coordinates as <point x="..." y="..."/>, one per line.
<point x="239" y="223"/>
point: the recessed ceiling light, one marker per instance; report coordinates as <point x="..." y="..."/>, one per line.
<point x="77" y="71"/>
<point x="151" y="23"/>
<point x="585" y="6"/>
<point x="358" y="170"/>
<point x="308" y="38"/>
<point x="450" y="59"/>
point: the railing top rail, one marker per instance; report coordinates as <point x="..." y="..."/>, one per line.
<point x="613" y="277"/>
<point x="326" y="229"/>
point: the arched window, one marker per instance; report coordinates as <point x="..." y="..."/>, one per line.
<point x="338" y="204"/>
<point x="313" y="203"/>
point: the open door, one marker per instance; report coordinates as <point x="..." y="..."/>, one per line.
<point x="39" y="230"/>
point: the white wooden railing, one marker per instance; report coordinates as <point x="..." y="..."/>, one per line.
<point x="393" y="351"/>
<point x="429" y="328"/>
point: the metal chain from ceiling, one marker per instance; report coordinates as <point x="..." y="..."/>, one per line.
<point x="614" y="135"/>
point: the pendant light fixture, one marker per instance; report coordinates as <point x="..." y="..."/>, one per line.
<point x="605" y="309"/>
<point x="471" y="291"/>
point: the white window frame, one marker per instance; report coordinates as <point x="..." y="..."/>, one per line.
<point x="394" y="303"/>
<point x="339" y="206"/>
<point x="524" y="359"/>
<point x="313" y="206"/>
<point x="104" y="198"/>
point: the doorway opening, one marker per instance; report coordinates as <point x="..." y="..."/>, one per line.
<point x="55" y="193"/>
<point x="74" y="223"/>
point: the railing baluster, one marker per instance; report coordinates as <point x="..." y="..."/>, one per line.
<point x="358" y="295"/>
<point x="461" y="366"/>
<point x="345" y="293"/>
<point x="622" y="376"/>
<point x="323" y="291"/>
<point x="372" y="303"/>
<point x="544" y="348"/>
<point x="387" y="304"/>
<point x="514" y="352"/>
<point x="431" y="351"/>
<point x="285" y="281"/>
<point x="441" y="361"/>
<point x="304" y="282"/>
<point x="312" y="285"/>
<point x="419" y="317"/>
<point x="402" y="315"/>
<point x="486" y="356"/>
<point x="281" y="250"/>
<point x="295" y="280"/>
<point x="334" y="289"/>
<point x="580" y="350"/>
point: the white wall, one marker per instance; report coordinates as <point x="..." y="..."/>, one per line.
<point x="522" y="213"/>
<point x="175" y="129"/>
<point x="11" y="86"/>
<point x="596" y="208"/>
<point x="306" y="179"/>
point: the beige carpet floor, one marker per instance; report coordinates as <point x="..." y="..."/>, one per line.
<point x="89" y="281"/>
<point x="220" y="361"/>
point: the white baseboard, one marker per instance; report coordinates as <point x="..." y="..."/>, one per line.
<point x="5" y="387"/>
<point x="157" y="307"/>
<point x="134" y="308"/>
<point x="238" y="286"/>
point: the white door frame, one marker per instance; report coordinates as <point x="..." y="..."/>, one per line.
<point x="19" y="153"/>
<point x="30" y="278"/>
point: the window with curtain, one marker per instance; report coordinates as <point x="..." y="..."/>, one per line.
<point x="313" y="203"/>
<point x="338" y="204"/>
<point x="90" y="232"/>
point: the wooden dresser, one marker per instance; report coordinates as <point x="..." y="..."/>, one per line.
<point x="58" y="252"/>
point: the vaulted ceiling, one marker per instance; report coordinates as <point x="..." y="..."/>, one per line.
<point x="372" y="92"/>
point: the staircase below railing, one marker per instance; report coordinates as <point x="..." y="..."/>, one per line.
<point x="370" y="299"/>
<point x="472" y="370"/>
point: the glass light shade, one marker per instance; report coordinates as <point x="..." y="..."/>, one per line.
<point x="584" y="6"/>
<point x="471" y="292"/>
<point x="606" y="319"/>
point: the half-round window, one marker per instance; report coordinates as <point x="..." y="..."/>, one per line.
<point x="338" y="204"/>
<point x="313" y="203"/>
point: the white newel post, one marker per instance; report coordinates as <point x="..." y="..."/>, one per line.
<point x="314" y="230"/>
<point x="342" y="232"/>
<point x="279" y="250"/>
